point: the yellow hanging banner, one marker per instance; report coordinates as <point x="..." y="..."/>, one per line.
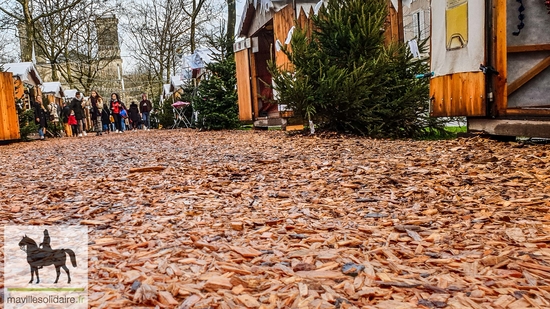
<point x="456" y="24"/>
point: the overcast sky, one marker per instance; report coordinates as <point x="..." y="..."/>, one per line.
<point x="13" y="46"/>
<point x="127" y="57"/>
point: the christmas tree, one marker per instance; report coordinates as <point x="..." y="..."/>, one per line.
<point x="346" y="79"/>
<point x="216" y="99"/>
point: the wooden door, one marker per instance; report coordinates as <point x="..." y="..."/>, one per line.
<point x="523" y="57"/>
<point x="242" y="61"/>
<point x="9" y="121"/>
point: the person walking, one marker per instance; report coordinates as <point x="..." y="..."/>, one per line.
<point x="54" y="112"/>
<point x="105" y="118"/>
<point x="40" y="117"/>
<point x="73" y="123"/>
<point x="123" y="117"/>
<point x="115" y="106"/>
<point x="134" y="116"/>
<point x="76" y="107"/>
<point x="65" y="113"/>
<point x="145" y="108"/>
<point x="96" y="102"/>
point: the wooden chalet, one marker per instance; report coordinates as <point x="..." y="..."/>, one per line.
<point x="19" y="84"/>
<point x="26" y="80"/>
<point x="265" y="26"/>
<point x="9" y="120"/>
<point x="53" y="91"/>
<point x="497" y="77"/>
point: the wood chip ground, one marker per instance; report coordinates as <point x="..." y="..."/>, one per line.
<point x="244" y="219"/>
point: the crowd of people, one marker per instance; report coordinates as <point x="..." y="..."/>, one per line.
<point x="107" y="116"/>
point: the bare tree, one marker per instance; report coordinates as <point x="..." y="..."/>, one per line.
<point x="54" y="32"/>
<point x="156" y="34"/>
<point x="26" y="15"/>
<point x="193" y="10"/>
<point x="231" y="19"/>
<point x="7" y="46"/>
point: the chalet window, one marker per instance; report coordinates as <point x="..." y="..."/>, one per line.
<point x="418" y="25"/>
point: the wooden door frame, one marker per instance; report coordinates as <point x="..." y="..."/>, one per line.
<point x="502" y="88"/>
<point x="244" y="95"/>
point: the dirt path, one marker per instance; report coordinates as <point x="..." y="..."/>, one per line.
<point x="261" y="220"/>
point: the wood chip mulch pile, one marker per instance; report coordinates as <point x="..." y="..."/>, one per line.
<point x="244" y="219"/>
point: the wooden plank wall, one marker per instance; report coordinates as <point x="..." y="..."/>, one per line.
<point x="304" y="22"/>
<point x="9" y="121"/>
<point x="242" y="61"/>
<point x="460" y="94"/>
<point x="282" y="22"/>
<point x="394" y="24"/>
<point x="19" y="88"/>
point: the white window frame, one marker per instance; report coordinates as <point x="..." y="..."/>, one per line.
<point x="419" y="24"/>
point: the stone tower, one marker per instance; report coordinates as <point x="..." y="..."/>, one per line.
<point x="109" y="54"/>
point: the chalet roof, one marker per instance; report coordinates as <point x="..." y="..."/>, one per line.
<point x="199" y="59"/>
<point x="263" y="7"/>
<point x="53" y="87"/>
<point x="26" y="71"/>
<point x="71" y="93"/>
<point x="176" y="82"/>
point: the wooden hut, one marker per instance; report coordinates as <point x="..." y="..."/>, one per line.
<point x="26" y="80"/>
<point x="176" y="85"/>
<point x="496" y="77"/>
<point x="265" y="26"/>
<point x="9" y="121"/>
<point x="20" y="84"/>
<point x="53" y="92"/>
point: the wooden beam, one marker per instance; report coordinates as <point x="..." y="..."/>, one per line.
<point x="254" y="86"/>
<point x="501" y="90"/>
<point x="528" y="48"/>
<point x="536" y="112"/>
<point x="534" y="71"/>
<point x="401" y="28"/>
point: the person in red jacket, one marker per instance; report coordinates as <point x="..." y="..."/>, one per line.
<point x="116" y="107"/>
<point x="73" y="123"/>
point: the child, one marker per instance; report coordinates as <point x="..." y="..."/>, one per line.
<point x="73" y="123"/>
<point x="106" y="118"/>
<point x="112" y="124"/>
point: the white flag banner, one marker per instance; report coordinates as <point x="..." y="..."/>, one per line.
<point x="458" y="36"/>
<point x="413" y="47"/>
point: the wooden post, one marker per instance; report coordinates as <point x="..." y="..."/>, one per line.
<point x="394" y="23"/>
<point x="501" y="91"/>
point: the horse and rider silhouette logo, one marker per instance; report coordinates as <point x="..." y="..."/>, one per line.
<point x="44" y="255"/>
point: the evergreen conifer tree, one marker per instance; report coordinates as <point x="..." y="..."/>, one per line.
<point x="216" y="99"/>
<point x="345" y="79"/>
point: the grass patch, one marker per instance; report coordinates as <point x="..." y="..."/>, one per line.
<point x="246" y="127"/>
<point x="447" y="133"/>
<point x="455" y="130"/>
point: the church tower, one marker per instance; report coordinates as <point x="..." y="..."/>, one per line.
<point x="109" y="54"/>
